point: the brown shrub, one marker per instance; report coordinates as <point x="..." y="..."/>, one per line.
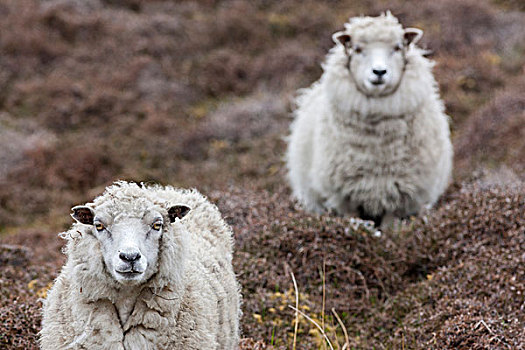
<point x="473" y="233"/>
<point x="73" y="25"/>
<point x="495" y="135"/>
<point x="223" y="71"/>
<point x="75" y="167"/>
<point x="511" y="4"/>
<point x="133" y="5"/>
<point x="475" y="300"/>
<point x="21" y="287"/>
<point x="238" y="25"/>
<point x="24" y="36"/>
<point x="251" y="344"/>
<point x="59" y="168"/>
<point x="287" y="66"/>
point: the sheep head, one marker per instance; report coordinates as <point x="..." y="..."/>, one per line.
<point x="376" y="47"/>
<point x="130" y="241"/>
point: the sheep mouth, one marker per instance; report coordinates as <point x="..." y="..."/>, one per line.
<point x="378" y="82"/>
<point x="130" y="273"/>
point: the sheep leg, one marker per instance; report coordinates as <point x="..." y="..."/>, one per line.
<point x="387" y="222"/>
<point x="363" y="214"/>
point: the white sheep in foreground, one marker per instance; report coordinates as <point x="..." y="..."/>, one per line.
<point x="148" y="267"/>
<point x="371" y="138"/>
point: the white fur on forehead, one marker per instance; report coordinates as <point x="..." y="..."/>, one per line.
<point x="367" y="29"/>
<point x="128" y="198"/>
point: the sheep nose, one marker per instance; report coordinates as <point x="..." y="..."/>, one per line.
<point x="379" y="72"/>
<point x="129" y="257"/>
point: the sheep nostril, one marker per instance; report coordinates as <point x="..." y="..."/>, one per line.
<point x="379" y="72"/>
<point x="129" y="257"/>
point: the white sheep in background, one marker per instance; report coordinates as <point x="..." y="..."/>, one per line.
<point x="370" y="138"/>
<point x="144" y="271"/>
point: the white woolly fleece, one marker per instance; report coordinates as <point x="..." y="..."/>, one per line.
<point x="386" y="156"/>
<point x="192" y="301"/>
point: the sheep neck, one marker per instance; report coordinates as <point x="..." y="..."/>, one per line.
<point x="126" y="302"/>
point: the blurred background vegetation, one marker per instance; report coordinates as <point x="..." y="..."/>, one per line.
<point x="199" y="94"/>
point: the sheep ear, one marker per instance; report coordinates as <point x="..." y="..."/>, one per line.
<point x="83" y="214"/>
<point x="412" y="35"/>
<point x="342" y="38"/>
<point x="178" y="212"/>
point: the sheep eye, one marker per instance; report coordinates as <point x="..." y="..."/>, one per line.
<point x="99" y="226"/>
<point x="157" y="226"/>
<point x="397" y="48"/>
<point x="358" y="49"/>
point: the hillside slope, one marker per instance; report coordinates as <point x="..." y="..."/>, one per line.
<point x="198" y="94"/>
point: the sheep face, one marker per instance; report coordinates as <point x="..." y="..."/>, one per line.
<point x="377" y="54"/>
<point x="377" y="67"/>
<point x="129" y="243"/>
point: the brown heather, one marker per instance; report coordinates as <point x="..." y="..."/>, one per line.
<point x="198" y="94"/>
